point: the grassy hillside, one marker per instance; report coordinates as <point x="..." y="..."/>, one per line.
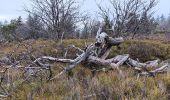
<point x="83" y="84"/>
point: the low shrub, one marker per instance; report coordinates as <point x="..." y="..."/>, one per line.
<point x="143" y="50"/>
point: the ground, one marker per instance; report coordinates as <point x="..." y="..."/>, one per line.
<point x="82" y="83"/>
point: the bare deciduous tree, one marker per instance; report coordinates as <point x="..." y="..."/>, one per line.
<point x="58" y="16"/>
<point x="128" y="16"/>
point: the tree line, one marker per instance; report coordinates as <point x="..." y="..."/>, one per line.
<point x="60" y="19"/>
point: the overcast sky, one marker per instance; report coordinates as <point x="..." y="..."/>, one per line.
<point x="10" y="9"/>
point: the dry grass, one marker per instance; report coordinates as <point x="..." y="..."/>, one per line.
<point x="83" y="84"/>
<point x="103" y="86"/>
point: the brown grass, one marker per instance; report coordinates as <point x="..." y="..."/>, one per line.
<point x="82" y="84"/>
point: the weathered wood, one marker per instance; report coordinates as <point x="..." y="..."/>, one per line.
<point x="142" y="67"/>
<point x="153" y="63"/>
<point x="97" y="53"/>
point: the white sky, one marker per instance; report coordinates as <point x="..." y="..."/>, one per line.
<point x="10" y="9"/>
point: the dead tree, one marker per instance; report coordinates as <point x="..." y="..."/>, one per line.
<point x="97" y="54"/>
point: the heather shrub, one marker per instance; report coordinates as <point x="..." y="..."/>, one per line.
<point x="143" y="50"/>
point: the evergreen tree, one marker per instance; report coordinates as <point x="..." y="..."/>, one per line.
<point x="35" y="26"/>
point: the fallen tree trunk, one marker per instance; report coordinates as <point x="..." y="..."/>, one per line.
<point x="98" y="52"/>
